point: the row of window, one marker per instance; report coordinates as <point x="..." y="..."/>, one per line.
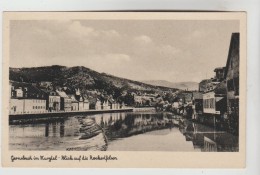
<point x="38" y="101"/>
<point x="38" y="107"/>
<point x="209" y="103"/>
<point x="54" y="100"/>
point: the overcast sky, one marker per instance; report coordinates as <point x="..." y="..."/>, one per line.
<point x="140" y="50"/>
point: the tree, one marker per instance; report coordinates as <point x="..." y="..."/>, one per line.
<point x="129" y="99"/>
<point x="169" y="97"/>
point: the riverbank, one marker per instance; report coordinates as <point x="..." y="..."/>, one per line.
<point x="67" y="113"/>
<point x="144" y="109"/>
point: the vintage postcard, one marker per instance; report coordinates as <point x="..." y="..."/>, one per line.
<point x="124" y="89"/>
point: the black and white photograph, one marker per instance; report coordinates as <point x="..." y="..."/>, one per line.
<point x="139" y="85"/>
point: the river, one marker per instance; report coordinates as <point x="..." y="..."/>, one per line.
<point x="128" y="131"/>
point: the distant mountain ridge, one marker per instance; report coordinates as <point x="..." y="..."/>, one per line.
<point x="178" y="85"/>
<point x="82" y="78"/>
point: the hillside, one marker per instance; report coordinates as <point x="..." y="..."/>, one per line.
<point x="82" y="78"/>
<point x="178" y="85"/>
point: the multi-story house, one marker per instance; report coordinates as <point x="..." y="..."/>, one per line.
<point x="203" y="85"/>
<point x="197" y="104"/>
<point x="65" y="101"/>
<point x="82" y="100"/>
<point x="85" y="104"/>
<point x="53" y="100"/>
<point x="26" y="99"/>
<point x="232" y="81"/>
<point x="98" y="105"/>
<point x="74" y="103"/>
<point x="105" y="105"/>
<point x="113" y="104"/>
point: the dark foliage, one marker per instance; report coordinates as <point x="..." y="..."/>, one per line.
<point x="84" y="79"/>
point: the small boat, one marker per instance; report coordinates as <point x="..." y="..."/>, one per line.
<point x="84" y="125"/>
<point x="82" y="129"/>
<point x="87" y="121"/>
<point x="89" y="135"/>
<point x="93" y="129"/>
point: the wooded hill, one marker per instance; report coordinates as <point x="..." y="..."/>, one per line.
<point x="83" y="78"/>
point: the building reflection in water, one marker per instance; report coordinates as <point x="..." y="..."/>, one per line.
<point x="208" y="139"/>
<point x="119" y="125"/>
<point x="62" y="127"/>
<point x="47" y="130"/>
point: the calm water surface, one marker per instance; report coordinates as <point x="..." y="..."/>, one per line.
<point x="139" y="131"/>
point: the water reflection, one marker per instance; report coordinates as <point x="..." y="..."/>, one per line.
<point x="207" y="138"/>
<point x="52" y="134"/>
<point x="67" y="133"/>
<point x="204" y="138"/>
<point x="120" y="125"/>
<point x="61" y="128"/>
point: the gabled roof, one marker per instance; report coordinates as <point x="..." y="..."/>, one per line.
<point x="72" y="97"/>
<point x="92" y="100"/>
<point x="62" y="94"/>
<point x="32" y="91"/>
<point x="85" y="98"/>
<point x="111" y="100"/>
<point x="49" y="92"/>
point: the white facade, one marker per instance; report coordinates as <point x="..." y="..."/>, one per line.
<point x="123" y="106"/>
<point x="27" y="106"/>
<point x="19" y="92"/>
<point x="209" y="105"/>
<point x="67" y="104"/>
<point x="16" y="106"/>
<point x="74" y="106"/>
<point x="98" y="105"/>
<point x="54" y="103"/>
<point x="86" y="105"/>
<point x="115" y="106"/>
<point x="34" y="106"/>
<point x="65" y="101"/>
<point x="81" y="106"/>
<point x="105" y="105"/>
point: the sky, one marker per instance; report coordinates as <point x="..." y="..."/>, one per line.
<point x="171" y="50"/>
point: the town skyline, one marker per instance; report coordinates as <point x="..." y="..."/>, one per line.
<point x="174" y="51"/>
